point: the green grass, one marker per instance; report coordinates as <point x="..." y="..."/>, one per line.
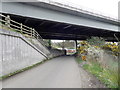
<point x="108" y="77"/>
<point x="3" y="26"/>
<point x="79" y="60"/>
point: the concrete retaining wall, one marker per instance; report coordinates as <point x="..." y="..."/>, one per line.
<point x="16" y="52"/>
<point x="40" y="46"/>
<point x="56" y="52"/>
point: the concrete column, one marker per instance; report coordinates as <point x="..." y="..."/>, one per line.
<point x="63" y="44"/>
<point x="49" y="43"/>
<point x="76" y="45"/>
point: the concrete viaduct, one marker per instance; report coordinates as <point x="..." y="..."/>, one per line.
<point x="57" y="21"/>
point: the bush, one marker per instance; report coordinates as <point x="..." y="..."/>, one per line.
<point x="96" y="41"/>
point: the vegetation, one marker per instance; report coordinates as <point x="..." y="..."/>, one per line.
<point x="105" y="70"/>
<point x="65" y="44"/>
<point x="97" y="42"/>
<point x="115" y="50"/>
<point x="2" y="26"/>
<point x="109" y="78"/>
<point x="79" y="60"/>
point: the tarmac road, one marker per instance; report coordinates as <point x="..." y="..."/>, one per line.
<point x="61" y="72"/>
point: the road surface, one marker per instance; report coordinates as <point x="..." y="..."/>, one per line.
<point x="61" y="72"/>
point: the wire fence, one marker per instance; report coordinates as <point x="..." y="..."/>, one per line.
<point x="21" y="28"/>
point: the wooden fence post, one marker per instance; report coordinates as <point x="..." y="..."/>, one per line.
<point x="7" y="19"/>
<point x="31" y="32"/>
<point x="21" y="28"/>
<point x="37" y="36"/>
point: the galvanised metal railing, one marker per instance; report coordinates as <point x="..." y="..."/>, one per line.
<point x="21" y="28"/>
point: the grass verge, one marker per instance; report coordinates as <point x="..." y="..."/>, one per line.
<point x="79" y="60"/>
<point x="108" y="77"/>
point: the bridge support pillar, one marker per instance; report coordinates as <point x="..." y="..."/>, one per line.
<point x="49" y="43"/>
<point x="63" y="45"/>
<point x="76" y="45"/>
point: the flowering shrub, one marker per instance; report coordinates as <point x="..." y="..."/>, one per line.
<point x="112" y="47"/>
<point x="84" y="58"/>
<point x="98" y="42"/>
<point x="84" y="43"/>
<point x="100" y="63"/>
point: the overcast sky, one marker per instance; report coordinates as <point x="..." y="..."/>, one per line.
<point x="108" y="7"/>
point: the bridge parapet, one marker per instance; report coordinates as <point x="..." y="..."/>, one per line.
<point x="80" y="9"/>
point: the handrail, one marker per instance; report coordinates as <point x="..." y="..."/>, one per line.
<point x="21" y="28"/>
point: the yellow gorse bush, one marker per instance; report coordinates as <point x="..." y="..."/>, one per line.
<point x="112" y="47"/>
<point x="84" y="43"/>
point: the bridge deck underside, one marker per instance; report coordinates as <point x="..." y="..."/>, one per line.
<point x="63" y="31"/>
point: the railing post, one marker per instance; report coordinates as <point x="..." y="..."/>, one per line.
<point x="37" y="36"/>
<point x="31" y="32"/>
<point x="21" y="28"/>
<point x="7" y="19"/>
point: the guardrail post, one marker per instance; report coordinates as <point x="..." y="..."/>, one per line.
<point x="21" y="28"/>
<point x="7" y="19"/>
<point x="31" y="32"/>
<point x="37" y="36"/>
